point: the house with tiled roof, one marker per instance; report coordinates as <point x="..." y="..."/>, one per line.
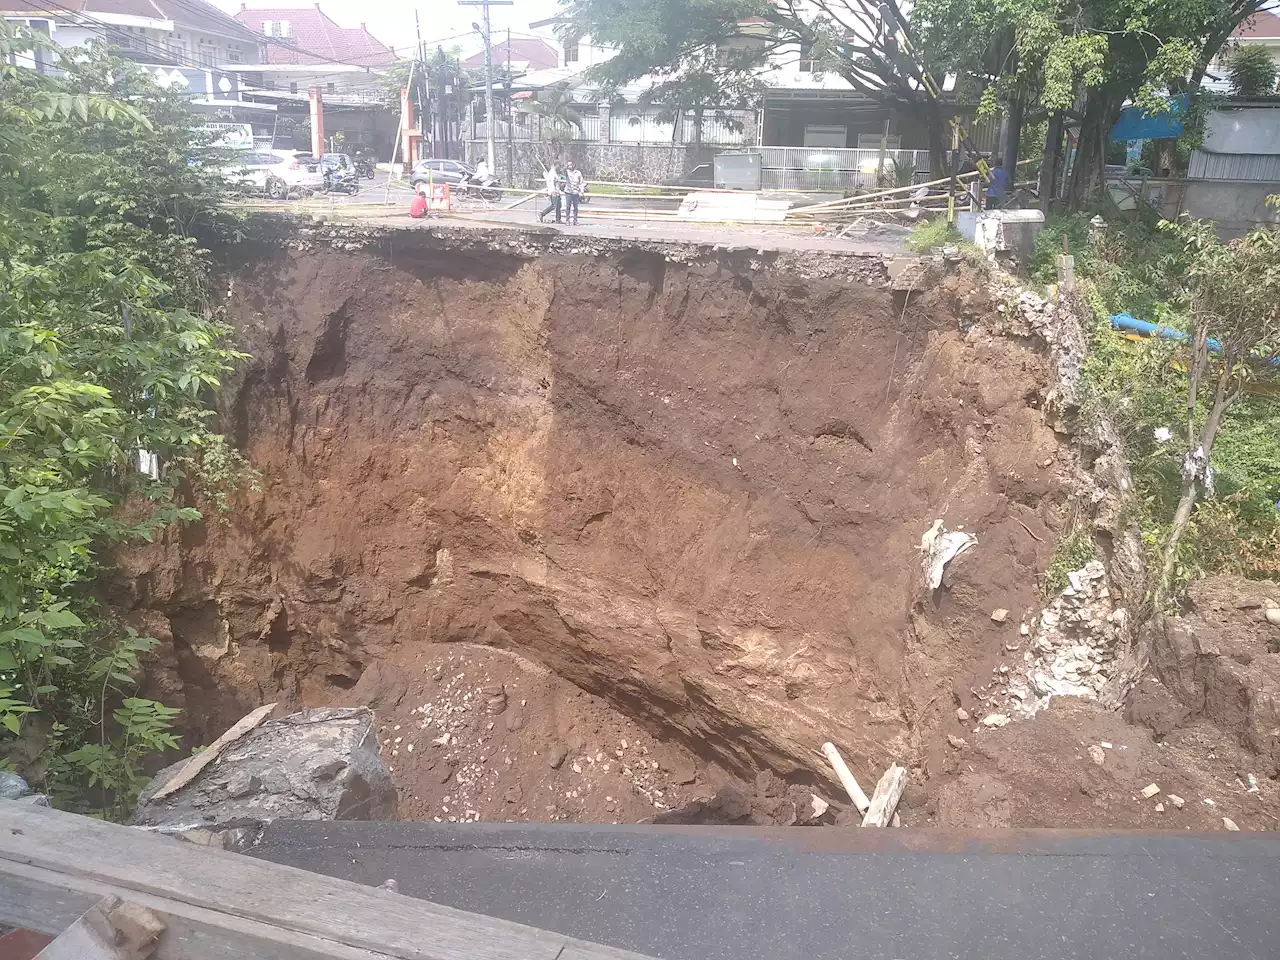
<point x="305" y="48"/>
<point x="182" y="43"/>
<point x="523" y="54"/>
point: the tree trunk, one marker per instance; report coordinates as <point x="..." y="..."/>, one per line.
<point x="1191" y="486"/>
<point x="936" y="126"/>
<point x="1101" y="111"/>
<point x="1013" y="136"/>
<point x="1052" y="163"/>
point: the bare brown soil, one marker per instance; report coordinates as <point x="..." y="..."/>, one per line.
<point x="676" y="503"/>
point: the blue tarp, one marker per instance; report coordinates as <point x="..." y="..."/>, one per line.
<point x="1136" y="124"/>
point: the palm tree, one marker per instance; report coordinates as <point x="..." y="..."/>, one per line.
<point x="555" y="103"/>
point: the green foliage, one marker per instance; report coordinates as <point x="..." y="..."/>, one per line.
<point x="1142" y="384"/>
<point x="108" y="348"/>
<point x="1251" y="71"/>
<point x="901" y="173"/>
<point x="934" y="233"/>
<point x="1071" y="552"/>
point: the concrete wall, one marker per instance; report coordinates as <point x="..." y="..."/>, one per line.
<point x="1236" y="206"/>
<point x="1245" y="130"/>
<point x="621" y="162"/>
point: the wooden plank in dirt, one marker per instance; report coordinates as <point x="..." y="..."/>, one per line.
<point x="223" y="906"/>
<point x="192" y="767"/>
<point x="884" y="802"/>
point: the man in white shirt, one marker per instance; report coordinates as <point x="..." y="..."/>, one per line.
<point x="574" y="182"/>
<point x="482" y="171"/>
<point x="552" y="177"/>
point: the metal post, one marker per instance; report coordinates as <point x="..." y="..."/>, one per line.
<point x="488" y="67"/>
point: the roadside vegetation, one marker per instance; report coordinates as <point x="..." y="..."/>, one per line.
<point x="110" y="352"/>
<point x="1200" y="422"/>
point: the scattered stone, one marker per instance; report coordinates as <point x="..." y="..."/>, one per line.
<point x="577" y="767"/>
<point x="322" y="764"/>
<point x="514" y="720"/>
<point x="242" y="783"/>
<point x="576" y="744"/>
<point x="1209" y="802"/>
<point x="995" y="720"/>
<point x="513" y="794"/>
<point x="444" y="771"/>
<point x="557" y="756"/>
<point x="1000" y="616"/>
<point x="13" y="787"/>
<point x="1230" y="824"/>
<point x="683" y="770"/>
<point x="1159" y="808"/>
<point x="1176" y="800"/>
<point x="1273" y="616"/>
<point x="1149" y="791"/>
<point x="962" y="715"/>
<point x="1097" y="754"/>
<point x="958" y="742"/>
<point x="820" y="807"/>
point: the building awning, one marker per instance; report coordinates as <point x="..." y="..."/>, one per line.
<point x="1136" y="123"/>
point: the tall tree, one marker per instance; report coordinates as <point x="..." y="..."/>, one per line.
<point x="723" y="46"/>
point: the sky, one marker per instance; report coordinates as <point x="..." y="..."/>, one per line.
<point x="443" y="21"/>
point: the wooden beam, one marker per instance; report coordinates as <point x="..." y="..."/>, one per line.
<point x="884" y="802"/>
<point x="188" y="771"/>
<point x="109" y="930"/>
<point x="217" y="905"/>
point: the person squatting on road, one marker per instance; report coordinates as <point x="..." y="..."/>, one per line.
<point x="418" y="209"/>
<point x="552" y="176"/>
<point x="573" y="184"/>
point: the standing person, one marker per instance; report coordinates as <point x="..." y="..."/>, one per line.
<point x="1000" y="188"/>
<point x="574" y="182"/>
<point x="552" y="177"/>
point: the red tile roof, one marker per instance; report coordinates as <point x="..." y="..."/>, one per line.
<point x="316" y="38"/>
<point x="193" y="14"/>
<point x="1263" y="25"/>
<point x="539" y="54"/>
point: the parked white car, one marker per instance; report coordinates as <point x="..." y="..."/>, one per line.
<point x="277" y="173"/>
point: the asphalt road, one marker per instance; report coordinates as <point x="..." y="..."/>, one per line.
<point x="738" y="893"/>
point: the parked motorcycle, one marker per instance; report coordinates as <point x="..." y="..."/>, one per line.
<point x="489" y="188"/>
<point x="340" y="181"/>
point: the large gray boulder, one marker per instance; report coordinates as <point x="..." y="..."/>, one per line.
<point x="323" y="764"/>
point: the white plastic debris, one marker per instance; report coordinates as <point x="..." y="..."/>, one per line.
<point x="939" y="547"/>
<point x="1163" y="434"/>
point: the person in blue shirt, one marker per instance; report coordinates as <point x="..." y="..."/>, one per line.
<point x="1000" y="188"/>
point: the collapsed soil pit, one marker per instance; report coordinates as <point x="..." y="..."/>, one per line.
<point x="691" y="483"/>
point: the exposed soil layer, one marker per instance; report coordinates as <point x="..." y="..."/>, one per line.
<point x="693" y="488"/>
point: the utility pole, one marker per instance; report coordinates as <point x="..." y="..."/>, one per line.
<point x="488" y="67"/>
<point x="511" y="120"/>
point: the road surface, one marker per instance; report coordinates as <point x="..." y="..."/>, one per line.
<point x="823" y="894"/>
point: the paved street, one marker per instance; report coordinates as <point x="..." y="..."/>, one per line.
<point x="812" y="894"/>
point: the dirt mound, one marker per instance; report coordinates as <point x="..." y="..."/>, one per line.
<point x="1221" y="660"/>
<point x="693" y="486"/>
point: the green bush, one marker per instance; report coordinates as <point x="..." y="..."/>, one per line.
<point x="110" y="346"/>
<point x="1139" y="269"/>
<point x="1251" y="71"/>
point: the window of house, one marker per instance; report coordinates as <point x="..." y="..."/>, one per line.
<point x="571" y="51"/>
<point x="332" y="87"/>
<point x="233" y="56"/>
<point x="293" y="88"/>
<point x="806" y="58"/>
<point x="266" y="28"/>
<point x="206" y="54"/>
<point x="286" y="28"/>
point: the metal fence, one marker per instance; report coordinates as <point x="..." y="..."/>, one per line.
<point x="531" y="126"/>
<point x="812" y="168"/>
<point x="1234" y="166"/>
<point x="727" y="129"/>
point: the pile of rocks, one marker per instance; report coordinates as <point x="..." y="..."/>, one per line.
<point x="1073" y="645"/>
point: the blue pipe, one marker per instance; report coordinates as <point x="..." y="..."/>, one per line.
<point x="1126" y="321"/>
